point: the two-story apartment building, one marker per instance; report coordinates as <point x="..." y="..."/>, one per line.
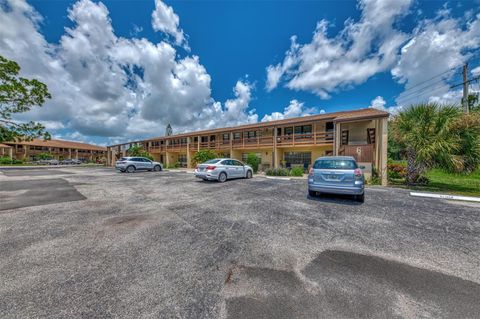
<point x="282" y="143"/>
<point x="57" y="149"/>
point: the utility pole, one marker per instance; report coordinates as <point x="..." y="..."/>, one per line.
<point x="465" y="88"/>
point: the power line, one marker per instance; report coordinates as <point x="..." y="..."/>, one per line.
<point x="413" y="98"/>
<point x="419" y="92"/>
<point x="433" y="77"/>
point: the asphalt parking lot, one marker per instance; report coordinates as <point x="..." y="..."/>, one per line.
<point x="94" y="243"/>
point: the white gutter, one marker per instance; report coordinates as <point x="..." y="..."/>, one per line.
<point x="446" y="196"/>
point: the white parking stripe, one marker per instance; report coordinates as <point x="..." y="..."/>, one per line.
<point x="446" y="196"/>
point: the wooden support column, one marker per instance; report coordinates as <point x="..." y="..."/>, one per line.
<point x="231" y="144"/>
<point x="293" y="134"/>
<point x="337" y="137"/>
<point x="275" y="152"/>
<point x="383" y="152"/>
<point x="189" y="156"/>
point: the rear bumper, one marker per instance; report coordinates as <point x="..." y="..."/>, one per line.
<point x="332" y="189"/>
<point x="206" y="175"/>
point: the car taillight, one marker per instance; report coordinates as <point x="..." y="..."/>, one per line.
<point x="358" y="173"/>
<point x="196" y="167"/>
<point x="210" y="168"/>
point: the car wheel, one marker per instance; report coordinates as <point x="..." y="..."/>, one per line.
<point x="249" y="174"/>
<point x="360" y="198"/>
<point x="312" y="193"/>
<point x="157" y="168"/>
<point x="131" y="169"/>
<point x="222" y="177"/>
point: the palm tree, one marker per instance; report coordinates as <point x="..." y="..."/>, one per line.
<point x="426" y="131"/>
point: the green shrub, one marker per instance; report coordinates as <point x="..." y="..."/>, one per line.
<point x="17" y="161"/>
<point x="5" y="160"/>
<point x="296" y="171"/>
<point x="396" y="171"/>
<point x="253" y="160"/>
<point x="174" y="165"/>
<point x="202" y="156"/>
<point x="140" y="152"/>
<point x="277" y="172"/>
<point x="45" y="156"/>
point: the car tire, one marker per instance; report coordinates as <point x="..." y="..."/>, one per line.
<point x="130" y="169"/>
<point x="312" y="193"/>
<point x="360" y="198"/>
<point x="222" y="178"/>
<point x="157" y="168"/>
<point x="249" y="174"/>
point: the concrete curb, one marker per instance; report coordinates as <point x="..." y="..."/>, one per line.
<point x="446" y="196"/>
<point x="6" y="168"/>
<point x="278" y="177"/>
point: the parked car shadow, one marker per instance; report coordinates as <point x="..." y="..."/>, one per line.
<point x="335" y="198"/>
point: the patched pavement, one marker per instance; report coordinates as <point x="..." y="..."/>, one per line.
<point x="79" y="242"/>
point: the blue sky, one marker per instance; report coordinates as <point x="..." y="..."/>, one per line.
<point x="365" y="53"/>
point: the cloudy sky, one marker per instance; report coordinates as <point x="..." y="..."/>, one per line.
<point x="122" y="70"/>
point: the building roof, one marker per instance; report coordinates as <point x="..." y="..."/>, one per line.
<point x="367" y="113"/>
<point x="4" y="146"/>
<point x="61" y="144"/>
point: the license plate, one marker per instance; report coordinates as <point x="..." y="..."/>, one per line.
<point x="333" y="177"/>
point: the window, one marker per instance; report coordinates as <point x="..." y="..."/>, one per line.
<point x="204" y="139"/>
<point x="335" y="164"/>
<point x="183" y="140"/>
<point x="237" y="163"/>
<point x="329" y="126"/>
<point x="288" y="130"/>
<point x="182" y="158"/>
<point x="305" y="129"/>
<point x="237" y="135"/>
<point x="298" y="158"/>
<point x="212" y="161"/>
<point x="212" y="138"/>
<point x="226" y="162"/>
<point x="251" y="134"/>
<point x="226" y="136"/>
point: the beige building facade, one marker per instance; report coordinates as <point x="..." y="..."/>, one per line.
<point x="283" y="143"/>
<point x="57" y="149"/>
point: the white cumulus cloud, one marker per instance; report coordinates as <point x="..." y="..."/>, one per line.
<point x="359" y="51"/>
<point x="437" y="47"/>
<point x="110" y="87"/>
<point x="164" y="19"/>
<point x="294" y="109"/>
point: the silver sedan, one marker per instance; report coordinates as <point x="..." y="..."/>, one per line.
<point x="221" y="169"/>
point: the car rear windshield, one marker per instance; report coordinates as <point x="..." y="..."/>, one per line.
<point x="124" y="159"/>
<point x="335" y="164"/>
<point x="212" y="161"/>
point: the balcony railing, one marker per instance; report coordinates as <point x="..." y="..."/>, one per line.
<point x="304" y="139"/>
<point x="361" y="153"/>
<point x="316" y="138"/>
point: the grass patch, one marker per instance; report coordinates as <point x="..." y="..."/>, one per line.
<point x="445" y="182"/>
